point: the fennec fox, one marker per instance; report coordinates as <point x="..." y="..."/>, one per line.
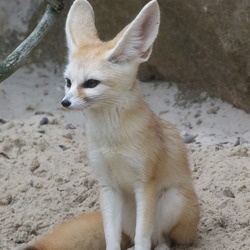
<point x="140" y="161"/>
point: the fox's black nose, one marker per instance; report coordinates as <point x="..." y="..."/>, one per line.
<point x="66" y="103"/>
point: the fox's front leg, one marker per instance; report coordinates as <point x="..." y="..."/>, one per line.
<point x="111" y="207"/>
<point x="145" y="207"/>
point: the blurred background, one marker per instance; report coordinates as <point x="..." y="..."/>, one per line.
<point x="203" y="45"/>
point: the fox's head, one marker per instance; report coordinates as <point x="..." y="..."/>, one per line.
<point x="101" y="73"/>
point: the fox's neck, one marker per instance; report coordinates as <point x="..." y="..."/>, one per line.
<point x="116" y="120"/>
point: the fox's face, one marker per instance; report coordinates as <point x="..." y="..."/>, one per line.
<point x="104" y="73"/>
<point x="93" y="81"/>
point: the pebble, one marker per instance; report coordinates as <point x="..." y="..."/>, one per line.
<point x="237" y="143"/>
<point x="197" y="115"/>
<point x="63" y="147"/>
<point x="25" y="188"/>
<point x="9" y="125"/>
<point x="44" y="121"/>
<point x="68" y="136"/>
<point x="188" y="125"/>
<point x="228" y="193"/>
<point x="54" y="121"/>
<point x="189" y="138"/>
<point x="30" y="108"/>
<point x="81" y="198"/>
<point x="213" y="110"/>
<point x="41" y="131"/>
<point x="70" y="126"/>
<point x="4" y="155"/>
<point x="35" y="164"/>
<point x="163" y="112"/>
<point x="2" y="121"/>
<point x="31" y="183"/>
<point x="39" y="186"/>
<point x="20" y="240"/>
<point x="198" y="122"/>
<point x="43" y="113"/>
<point x="242" y="188"/>
<point x="6" y="201"/>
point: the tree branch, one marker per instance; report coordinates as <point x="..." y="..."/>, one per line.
<point x="19" y="56"/>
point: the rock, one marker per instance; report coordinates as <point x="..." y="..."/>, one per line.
<point x="70" y="126"/>
<point x="41" y="131"/>
<point x="54" y="121"/>
<point x="34" y="165"/>
<point x="228" y="193"/>
<point x="242" y="188"/>
<point x="30" y="107"/>
<point x="24" y="188"/>
<point x="31" y="183"/>
<point x="81" y="198"/>
<point x="197" y="115"/>
<point x="2" y="121"/>
<point x="63" y="147"/>
<point x="213" y="110"/>
<point x="39" y="185"/>
<point x="8" y="125"/>
<point x="201" y="44"/>
<point x="6" y="200"/>
<point x="199" y="122"/>
<point x="44" y="121"/>
<point x="43" y="113"/>
<point x="189" y="138"/>
<point x="4" y="155"/>
<point x="68" y="136"/>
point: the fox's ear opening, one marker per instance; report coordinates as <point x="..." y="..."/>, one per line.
<point x="80" y="24"/>
<point x="136" y="41"/>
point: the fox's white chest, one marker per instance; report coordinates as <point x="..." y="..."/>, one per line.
<point x="114" y="168"/>
<point x="114" y="151"/>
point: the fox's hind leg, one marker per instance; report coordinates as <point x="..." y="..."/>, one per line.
<point x="176" y="218"/>
<point x="185" y="230"/>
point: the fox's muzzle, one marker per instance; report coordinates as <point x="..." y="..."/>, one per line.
<point x="66" y="103"/>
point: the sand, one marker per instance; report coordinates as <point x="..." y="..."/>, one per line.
<point x="45" y="177"/>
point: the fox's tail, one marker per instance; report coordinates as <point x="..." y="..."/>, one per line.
<point x="82" y="232"/>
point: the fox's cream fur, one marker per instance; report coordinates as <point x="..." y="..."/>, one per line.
<point x="140" y="161"/>
<point x="83" y="232"/>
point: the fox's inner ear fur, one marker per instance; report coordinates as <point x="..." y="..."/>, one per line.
<point x="137" y="39"/>
<point x="80" y="24"/>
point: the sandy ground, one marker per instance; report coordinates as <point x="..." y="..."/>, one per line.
<point x="45" y="177"/>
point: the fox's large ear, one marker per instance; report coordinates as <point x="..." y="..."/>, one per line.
<point x="137" y="39"/>
<point x="80" y="24"/>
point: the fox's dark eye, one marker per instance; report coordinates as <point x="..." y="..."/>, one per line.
<point x="68" y="83"/>
<point x="91" y="83"/>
